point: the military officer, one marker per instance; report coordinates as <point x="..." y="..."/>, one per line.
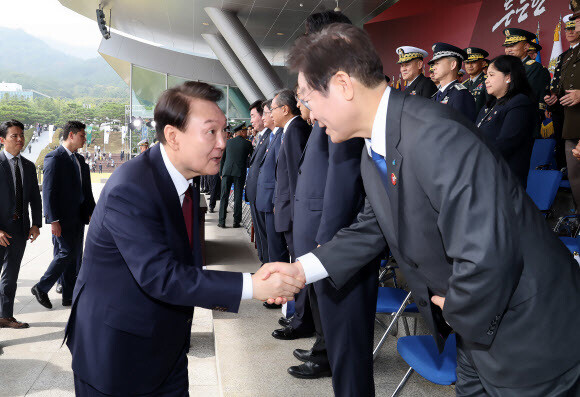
<point x="534" y="49"/>
<point x="432" y="76"/>
<point x="411" y="61"/>
<point x="566" y="91"/>
<point x="517" y="43"/>
<point x="474" y="65"/>
<point x="447" y="61"/>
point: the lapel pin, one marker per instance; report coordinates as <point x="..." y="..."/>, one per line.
<point x="393" y="179"/>
<point x="393" y="162"/>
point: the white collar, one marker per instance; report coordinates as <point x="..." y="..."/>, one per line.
<point x="476" y="77"/>
<point x="442" y="88"/>
<point x="9" y="155"/>
<point x="68" y="151"/>
<point x="378" y="141"/>
<point x="181" y="184"/>
<point x="574" y="46"/>
<point x="275" y="130"/>
<point x="288" y="123"/>
<point x="263" y="131"/>
<point x="411" y="82"/>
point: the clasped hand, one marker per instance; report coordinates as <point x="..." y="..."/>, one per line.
<point x="278" y="282"/>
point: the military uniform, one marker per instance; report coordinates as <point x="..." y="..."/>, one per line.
<point x="476" y="87"/>
<point x="454" y="94"/>
<point x="420" y="85"/>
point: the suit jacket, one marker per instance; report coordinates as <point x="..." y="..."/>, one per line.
<point x="30" y="194"/>
<point x="134" y="296"/>
<point x="235" y="158"/>
<point x="458" y="97"/>
<point x="422" y="86"/>
<point x="460" y="225"/>
<point x="64" y="198"/>
<point x="509" y="128"/>
<point x="255" y="160"/>
<point x="478" y="90"/>
<point x="326" y="171"/>
<point x="293" y="144"/>
<point x="267" y="174"/>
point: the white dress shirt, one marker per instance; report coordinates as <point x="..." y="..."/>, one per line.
<point x="411" y="82"/>
<point x="314" y="269"/>
<point x="11" y="163"/>
<point x="443" y="88"/>
<point x="476" y="77"/>
<point x="181" y="185"/>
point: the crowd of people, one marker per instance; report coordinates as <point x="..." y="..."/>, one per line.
<point x="341" y="172"/>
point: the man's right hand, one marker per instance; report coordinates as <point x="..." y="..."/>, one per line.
<point x="55" y="228"/>
<point x="294" y="270"/>
<point x="4" y="238"/>
<point x="268" y="285"/>
<point x="551" y="99"/>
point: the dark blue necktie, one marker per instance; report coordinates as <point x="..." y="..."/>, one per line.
<point x="78" y="175"/>
<point x="381" y="165"/>
<point x="271" y="137"/>
<point x="438" y="96"/>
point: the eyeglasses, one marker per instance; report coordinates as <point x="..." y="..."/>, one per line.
<point x="277" y="107"/>
<point x="305" y="102"/>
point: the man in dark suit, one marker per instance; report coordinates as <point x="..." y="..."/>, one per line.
<point x="130" y="324"/>
<point x="18" y="191"/>
<point x="258" y="220"/>
<point x="266" y="184"/>
<point x="233" y="171"/>
<point x="478" y="256"/>
<point x="68" y="205"/>
<point x="411" y="61"/>
<point x="474" y="64"/>
<point x="447" y="61"/>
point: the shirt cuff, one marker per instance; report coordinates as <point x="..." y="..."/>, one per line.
<point x="247" y="288"/>
<point x="313" y="268"/>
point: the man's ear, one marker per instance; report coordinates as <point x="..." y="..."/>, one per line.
<point x="170" y="133"/>
<point x="343" y="83"/>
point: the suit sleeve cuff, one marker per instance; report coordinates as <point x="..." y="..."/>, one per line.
<point x="313" y="268"/>
<point x="247" y="288"/>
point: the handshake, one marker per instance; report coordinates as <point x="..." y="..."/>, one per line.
<point x="277" y="282"/>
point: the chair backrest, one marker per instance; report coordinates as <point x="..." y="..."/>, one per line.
<point x="543" y="186"/>
<point x="543" y="153"/>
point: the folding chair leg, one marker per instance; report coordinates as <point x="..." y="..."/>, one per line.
<point x="406" y="325"/>
<point x="402" y="382"/>
<point x="393" y="321"/>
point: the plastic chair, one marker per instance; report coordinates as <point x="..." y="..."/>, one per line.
<point x="423" y="357"/>
<point x="543" y="154"/>
<point x="393" y="301"/>
<point x="542" y="188"/>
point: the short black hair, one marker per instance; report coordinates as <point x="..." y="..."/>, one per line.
<point x="72" y="126"/>
<point x="315" y="22"/>
<point x="174" y="105"/>
<point x="338" y="47"/>
<point x="509" y="64"/>
<point x="7" y="124"/>
<point x="287" y="97"/>
<point x="258" y="105"/>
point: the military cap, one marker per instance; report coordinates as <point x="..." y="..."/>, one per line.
<point x="407" y="53"/>
<point x="475" y="54"/>
<point x="535" y="47"/>
<point x="239" y="127"/>
<point x="569" y="23"/>
<point x="575" y="7"/>
<point x="442" y="50"/>
<point x="143" y="142"/>
<point x="516" y="35"/>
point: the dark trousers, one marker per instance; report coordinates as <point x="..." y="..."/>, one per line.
<point x="259" y="221"/>
<point x="290" y="244"/>
<point x="302" y="318"/>
<point x="277" y="249"/>
<point x="10" y="259"/>
<point x="176" y="384"/>
<point x="344" y="320"/>
<point x="469" y="383"/>
<point x="214" y="189"/>
<point x="67" y="256"/>
<point x="238" y="182"/>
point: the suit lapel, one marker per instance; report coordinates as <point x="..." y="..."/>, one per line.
<point x="8" y="170"/>
<point x="271" y="144"/>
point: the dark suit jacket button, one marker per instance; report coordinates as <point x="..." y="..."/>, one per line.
<point x="422" y="303"/>
<point x="299" y="171"/>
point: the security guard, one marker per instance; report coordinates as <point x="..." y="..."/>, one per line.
<point x="474" y="65"/>
<point x="411" y="61"/>
<point x="517" y="42"/>
<point x="447" y="61"/>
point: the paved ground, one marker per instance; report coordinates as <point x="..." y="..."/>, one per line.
<point x="36" y="147"/>
<point x="249" y="361"/>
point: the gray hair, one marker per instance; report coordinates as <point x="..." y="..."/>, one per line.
<point x="287" y="97"/>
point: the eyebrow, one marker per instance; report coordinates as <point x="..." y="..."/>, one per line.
<point x="211" y="121"/>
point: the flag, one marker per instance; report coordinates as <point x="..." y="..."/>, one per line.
<point x="89" y="131"/>
<point x="537" y="41"/>
<point x="556" y="49"/>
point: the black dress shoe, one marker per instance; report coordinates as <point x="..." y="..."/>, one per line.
<point x="272" y="305"/>
<point x="289" y="333"/>
<point x="41" y="297"/>
<point x="211" y="210"/>
<point x="67" y="302"/>
<point x="222" y="226"/>
<point x="283" y="321"/>
<point x="59" y="289"/>
<point x="309" y="370"/>
<point x="236" y="225"/>
<point x="304" y="355"/>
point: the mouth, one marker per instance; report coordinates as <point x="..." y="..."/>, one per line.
<point x="216" y="159"/>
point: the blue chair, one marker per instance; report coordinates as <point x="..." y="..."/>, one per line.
<point x="543" y="154"/>
<point x="423" y="357"/>
<point x="396" y="302"/>
<point x="542" y="188"/>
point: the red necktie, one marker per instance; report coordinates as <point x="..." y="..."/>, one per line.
<point x="187" y="208"/>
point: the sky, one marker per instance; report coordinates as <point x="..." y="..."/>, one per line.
<point x="56" y="25"/>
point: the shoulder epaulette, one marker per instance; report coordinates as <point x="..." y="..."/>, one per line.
<point x="530" y="62"/>
<point x="460" y="86"/>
